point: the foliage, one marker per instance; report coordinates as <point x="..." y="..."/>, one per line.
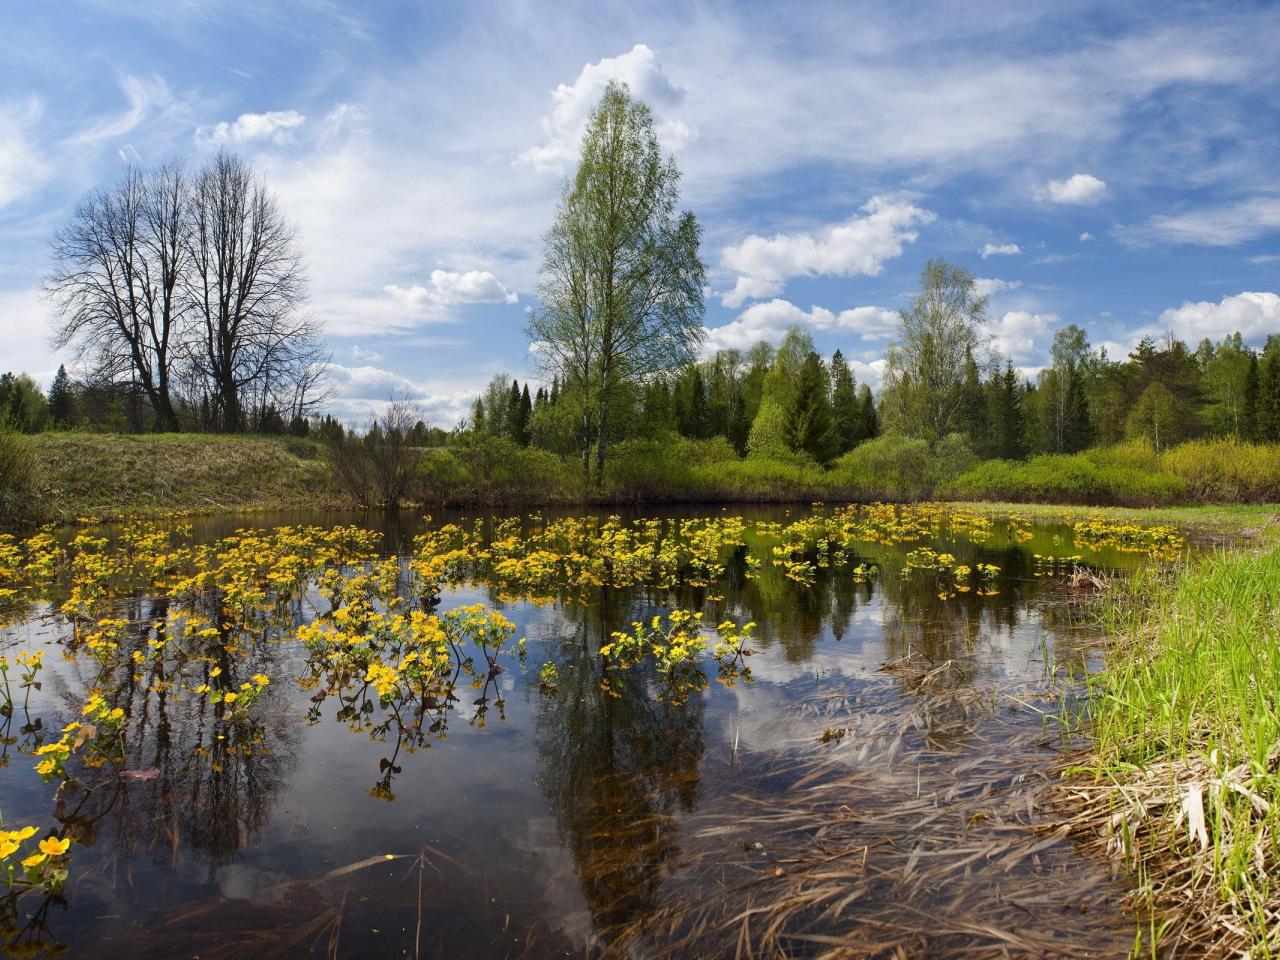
<point x="925" y="365"/>
<point x="17" y="475"/>
<point x="621" y="281"/>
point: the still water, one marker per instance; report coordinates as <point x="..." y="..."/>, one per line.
<point x="875" y="785"/>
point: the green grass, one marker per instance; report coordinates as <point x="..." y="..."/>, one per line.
<point x="1230" y="520"/>
<point x="109" y="476"/>
<point x="1186" y="728"/>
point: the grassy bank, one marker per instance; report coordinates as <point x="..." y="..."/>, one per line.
<point x="113" y="476"/>
<point x="1184" y="780"/>
<point x="76" y="474"/>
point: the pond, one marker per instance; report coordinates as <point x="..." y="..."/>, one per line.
<point x="684" y="733"/>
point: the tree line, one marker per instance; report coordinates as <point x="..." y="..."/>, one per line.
<point x="182" y="294"/>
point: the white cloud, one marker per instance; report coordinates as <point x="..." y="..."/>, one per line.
<point x="1081" y="188"/>
<point x="1086" y="237"/>
<point x="1214" y="227"/>
<point x="359" y="393"/>
<point x="473" y="286"/>
<point x="859" y="246"/>
<point x="22" y="169"/>
<point x="275" y="125"/>
<point x="1023" y="337"/>
<point x="572" y="103"/>
<point x="770" y="320"/>
<point x="147" y="97"/>
<point x="368" y="356"/>
<point x="999" y="249"/>
<point x="1254" y="315"/>
<point x="450" y="289"/>
<point x="986" y="286"/>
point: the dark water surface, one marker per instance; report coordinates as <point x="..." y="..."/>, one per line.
<point x="873" y="789"/>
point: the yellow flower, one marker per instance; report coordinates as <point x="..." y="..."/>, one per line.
<point x="229" y="698"/>
<point x="54" y="846"/>
<point x="34" y="860"/>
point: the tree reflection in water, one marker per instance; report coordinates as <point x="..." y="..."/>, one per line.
<point x="618" y="763"/>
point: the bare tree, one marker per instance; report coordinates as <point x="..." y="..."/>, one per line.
<point x="245" y="287"/>
<point x="116" y="283"/>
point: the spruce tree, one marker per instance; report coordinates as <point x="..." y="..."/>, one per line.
<point x="809" y="421"/>
<point x="1268" y="408"/>
<point x="868" y="419"/>
<point x="1007" y="427"/>
<point x="60" y="398"/>
<point x="1249" y="416"/>
<point x="846" y="412"/>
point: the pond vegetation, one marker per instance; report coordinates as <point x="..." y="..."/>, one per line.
<point x="166" y="693"/>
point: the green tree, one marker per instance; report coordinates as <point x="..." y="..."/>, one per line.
<point x="846" y="413"/>
<point x="1065" y="409"/>
<point x="809" y="419"/>
<point x="770" y="435"/>
<point x="925" y="365"/>
<point x="1225" y="380"/>
<point x="1268" y="409"/>
<point x="22" y="403"/>
<point x="1006" y="424"/>
<point x="1155" y="417"/>
<point x="621" y="284"/>
<point x="61" y="398"/>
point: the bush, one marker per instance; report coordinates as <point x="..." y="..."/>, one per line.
<point x="1101" y="477"/>
<point x="439" y="477"/>
<point x="648" y="470"/>
<point x="499" y="471"/>
<point x="890" y="467"/>
<point x="17" y="475"/>
<point x="1226" y="470"/>
<point x="760" y="479"/>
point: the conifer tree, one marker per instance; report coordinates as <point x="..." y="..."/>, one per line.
<point x="60" y="398"/>
<point x="809" y="420"/>
<point x="846" y="412"/>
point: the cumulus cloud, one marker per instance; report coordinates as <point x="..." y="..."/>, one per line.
<point x="275" y="126"/>
<point x="448" y="289"/>
<point x="1086" y="237"/>
<point x="1081" y="188"/>
<point x="1213" y="227"/>
<point x="571" y="105"/>
<point x="368" y="356"/>
<point x="361" y="392"/>
<point x="1023" y="337"/>
<point x="999" y="249"/>
<point x="1253" y="314"/>
<point x="770" y="320"/>
<point x="986" y="286"/>
<point x="859" y="246"/>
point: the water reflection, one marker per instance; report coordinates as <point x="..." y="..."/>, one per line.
<point x="224" y="701"/>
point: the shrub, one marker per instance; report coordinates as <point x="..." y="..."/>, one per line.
<point x="647" y="470"/>
<point x="890" y="467"/>
<point x="17" y="475"/>
<point x="439" y="477"/>
<point x="1226" y="470"/>
<point x="499" y="471"/>
<point x="1102" y="477"/>
<point x="760" y="479"/>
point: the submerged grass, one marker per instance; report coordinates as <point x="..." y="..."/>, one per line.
<point x="1184" y="781"/>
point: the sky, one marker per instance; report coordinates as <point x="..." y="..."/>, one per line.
<point x="1116" y="166"/>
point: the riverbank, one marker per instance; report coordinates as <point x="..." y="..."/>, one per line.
<point x="1182" y="784"/>
<point x="117" y="476"/>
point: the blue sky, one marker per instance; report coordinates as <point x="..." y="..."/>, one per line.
<point x="1111" y="165"/>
